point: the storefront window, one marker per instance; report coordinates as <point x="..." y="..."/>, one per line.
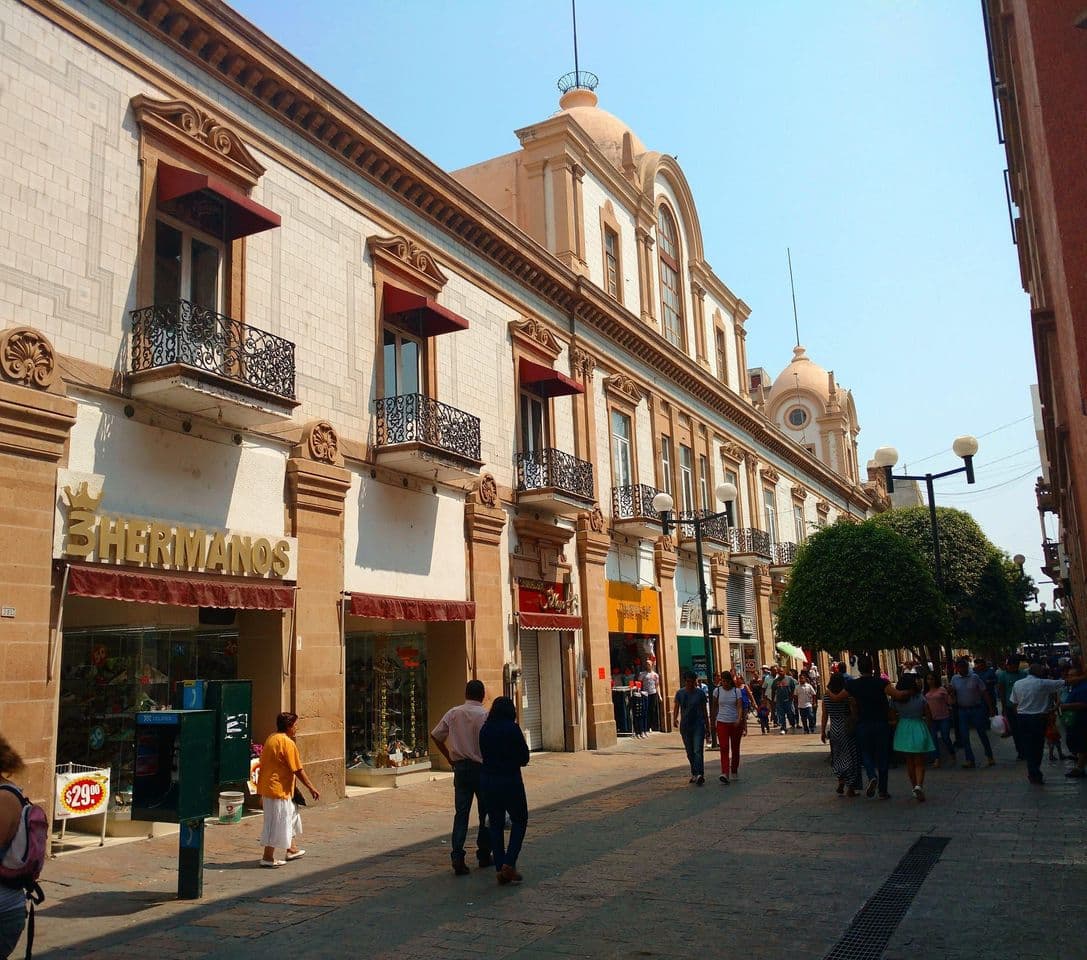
<point x="386" y="700"/>
<point x="110" y="674"/>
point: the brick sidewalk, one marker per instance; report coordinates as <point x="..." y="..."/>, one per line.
<point x="622" y="859"/>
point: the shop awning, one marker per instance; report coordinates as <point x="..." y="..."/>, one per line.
<point x="433" y="318"/>
<point x="548" y="621"/>
<point x="410" y="608"/>
<point x="112" y="583"/>
<point x="547" y="382"/>
<point x="244" y="216"/>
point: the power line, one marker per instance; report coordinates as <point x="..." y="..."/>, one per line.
<point x="1003" y="426"/>
<point x="1033" y="448"/>
<point x="995" y="486"/>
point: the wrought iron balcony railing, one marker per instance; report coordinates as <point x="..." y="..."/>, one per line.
<point x="634" y="501"/>
<point x="540" y="469"/>
<point x="749" y="540"/>
<point x="783" y="554"/>
<point x="414" y="418"/>
<point x="1052" y="557"/>
<point x="183" y="333"/>
<point x="716" y="529"/>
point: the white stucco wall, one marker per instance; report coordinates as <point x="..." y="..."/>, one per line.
<point x="594" y="194"/>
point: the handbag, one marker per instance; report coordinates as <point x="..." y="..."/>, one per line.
<point x="299" y="800"/>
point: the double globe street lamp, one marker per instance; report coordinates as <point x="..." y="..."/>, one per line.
<point x="965" y="447"/>
<point x="664" y="505"/>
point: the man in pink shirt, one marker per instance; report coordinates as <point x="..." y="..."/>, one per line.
<point x="457" y="737"/>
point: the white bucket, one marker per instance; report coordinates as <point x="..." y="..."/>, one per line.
<point x="231" y="803"/>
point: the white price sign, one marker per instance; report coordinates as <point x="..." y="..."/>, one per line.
<point x="81" y="794"/>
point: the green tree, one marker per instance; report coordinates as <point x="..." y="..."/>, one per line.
<point x="861" y="587"/>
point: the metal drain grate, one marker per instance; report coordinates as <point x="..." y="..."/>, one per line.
<point x="872" y="927"/>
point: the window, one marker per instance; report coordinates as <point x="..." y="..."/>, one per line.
<point x="798" y="416"/>
<point x="533" y="423"/>
<point x="671" y="287"/>
<point x="402" y="355"/>
<point x="704" y="482"/>
<point x="622" y="461"/>
<point x="188" y="265"/>
<point x="686" y="476"/>
<point x="769" y="500"/>
<point x="611" y="263"/>
<point x="730" y="507"/>
<point x="666" y="464"/>
<point x="721" y="347"/>
<point x="798" y="523"/>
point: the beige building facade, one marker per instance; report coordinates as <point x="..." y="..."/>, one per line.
<point x="282" y="400"/>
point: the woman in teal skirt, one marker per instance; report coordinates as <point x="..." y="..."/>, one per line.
<point x="912" y="737"/>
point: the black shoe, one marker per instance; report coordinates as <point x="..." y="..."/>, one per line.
<point x="723" y="779"/>
<point x="486" y="861"/>
<point x="700" y="781"/>
<point x="460" y="868"/>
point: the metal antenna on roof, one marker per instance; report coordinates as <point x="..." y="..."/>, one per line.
<point x="577" y="79"/>
<point x="792" y="287"/>
<point x="573" y="14"/>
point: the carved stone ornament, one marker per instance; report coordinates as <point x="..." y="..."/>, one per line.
<point x="822" y="506"/>
<point x="409" y="255"/>
<point x="27" y="357"/>
<point x="322" y="443"/>
<point x="731" y="450"/>
<point x="624" y="388"/>
<point x="582" y="363"/>
<point x="180" y="118"/>
<point x="770" y="475"/>
<point x="799" y="493"/>
<point x="488" y="490"/>
<point x="596" y="520"/>
<point x="536" y="334"/>
<point x="666" y="544"/>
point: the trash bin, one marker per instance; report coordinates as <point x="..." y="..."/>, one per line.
<point x="231" y="803"/>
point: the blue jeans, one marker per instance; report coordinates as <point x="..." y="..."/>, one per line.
<point x="807" y="719"/>
<point x="785" y="711"/>
<point x="505" y="794"/>
<point x="974" y="718"/>
<point x="694" y="739"/>
<point x="466" y="789"/>
<point x="941" y="730"/>
<point x="11" y="928"/>
<point x="875" y="745"/>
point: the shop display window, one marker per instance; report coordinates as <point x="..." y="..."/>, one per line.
<point x="386" y="700"/>
<point x="109" y="674"/>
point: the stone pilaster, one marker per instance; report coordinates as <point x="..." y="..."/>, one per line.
<point x="719" y="599"/>
<point x="664" y="555"/>
<point x="764" y="625"/>
<point x="316" y="487"/>
<point x="485" y="520"/>
<point x="592" y="555"/>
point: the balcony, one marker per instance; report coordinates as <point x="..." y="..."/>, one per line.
<point x="554" y="482"/>
<point x="632" y="511"/>
<point x="420" y="436"/>
<point x="1043" y="492"/>
<point x="749" y="546"/>
<point x="203" y="363"/>
<point x="782" y="554"/>
<point x="1051" y="554"/>
<point x="715" y="532"/>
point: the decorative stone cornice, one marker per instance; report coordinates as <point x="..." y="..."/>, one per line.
<point x="770" y="475"/>
<point x="28" y="359"/>
<point x="623" y="388"/>
<point x="201" y="133"/>
<point x="732" y="452"/>
<point x="408" y="257"/>
<point x="316" y="486"/>
<point x="822" y="506"/>
<point x="536" y="335"/>
<point x="582" y="363"/>
<point x="799" y="493"/>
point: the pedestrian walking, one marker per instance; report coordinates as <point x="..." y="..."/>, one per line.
<point x="939" y="706"/>
<point x="1006" y="679"/>
<point x="651" y="688"/>
<point x="840" y="717"/>
<point x="457" y="738"/>
<point x="975" y="709"/>
<point x="805" y="703"/>
<point x="731" y="714"/>
<point x="691" y="714"/>
<point x="280" y="766"/>
<point x="783" y="697"/>
<point x="912" y="737"/>
<point x="1074" y="717"/>
<point x="12" y="899"/>
<point x="504" y="751"/>
<point x="1031" y="700"/>
<point x="873" y="727"/>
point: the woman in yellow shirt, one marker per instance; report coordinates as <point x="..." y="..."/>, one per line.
<point x="279" y="765"/>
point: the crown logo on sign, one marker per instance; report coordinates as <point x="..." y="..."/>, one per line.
<point x="82" y="499"/>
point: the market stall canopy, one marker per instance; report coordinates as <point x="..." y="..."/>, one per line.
<point x="112" y="583"/>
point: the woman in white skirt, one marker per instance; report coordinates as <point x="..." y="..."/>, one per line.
<point x="279" y="765"/>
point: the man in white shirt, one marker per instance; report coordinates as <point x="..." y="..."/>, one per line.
<point x="805" y="703"/>
<point x="1032" y="699"/>
<point x="457" y="737"/>
<point x="651" y="688"/>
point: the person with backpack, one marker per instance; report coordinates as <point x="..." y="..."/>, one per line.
<point x="23" y="830"/>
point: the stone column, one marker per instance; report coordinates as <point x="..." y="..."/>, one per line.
<point x="764" y="625"/>
<point x="664" y="555"/>
<point x="593" y="543"/>
<point x="647" y="283"/>
<point x="35" y="418"/>
<point x="485" y="519"/>
<point x="316" y="487"/>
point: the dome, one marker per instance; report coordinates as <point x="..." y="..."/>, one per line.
<point x="801" y="374"/>
<point x="605" y="129"/>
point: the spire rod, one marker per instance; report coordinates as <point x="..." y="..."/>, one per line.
<point x="573" y="13"/>
<point x="792" y="287"/>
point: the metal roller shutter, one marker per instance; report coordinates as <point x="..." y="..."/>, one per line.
<point x="531" y="713"/>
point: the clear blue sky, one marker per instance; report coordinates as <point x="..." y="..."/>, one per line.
<point x="860" y="134"/>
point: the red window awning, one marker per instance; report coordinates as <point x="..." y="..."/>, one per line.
<point x="244" y="216"/>
<point x="432" y="317"/>
<point x="547" y="382"/>
<point x="410" y="608"/>
<point x="114" y="583"/>
<point x="548" y="621"/>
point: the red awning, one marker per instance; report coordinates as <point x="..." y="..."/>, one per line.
<point x="244" y="216"/>
<point x="410" y="608"/>
<point x="114" y="583"/>
<point x="548" y="621"/>
<point x="434" y="319"/>
<point x="547" y="382"/>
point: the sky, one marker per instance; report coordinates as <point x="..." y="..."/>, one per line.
<point x="859" y="134"/>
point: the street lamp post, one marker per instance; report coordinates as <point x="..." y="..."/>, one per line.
<point x="965" y="447"/>
<point x="664" y="505"/>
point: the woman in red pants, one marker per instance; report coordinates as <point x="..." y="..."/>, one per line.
<point x="728" y="705"/>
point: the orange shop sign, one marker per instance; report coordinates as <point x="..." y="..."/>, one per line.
<point x="633" y="609"/>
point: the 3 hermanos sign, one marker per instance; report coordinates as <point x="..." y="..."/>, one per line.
<point x="85" y="532"/>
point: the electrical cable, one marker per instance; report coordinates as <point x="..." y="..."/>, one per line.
<point x="995" y="486"/>
<point x="1003" y="426"/>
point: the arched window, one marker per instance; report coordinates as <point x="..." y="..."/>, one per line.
<point x="671" y="287"/>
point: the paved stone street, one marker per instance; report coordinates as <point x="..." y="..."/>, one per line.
<point x="623" y="859"/>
